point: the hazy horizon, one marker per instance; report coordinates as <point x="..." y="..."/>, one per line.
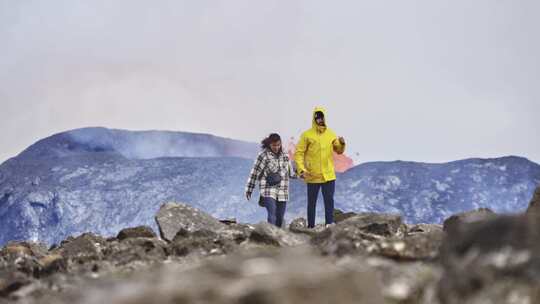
<point x="285" y="145"/>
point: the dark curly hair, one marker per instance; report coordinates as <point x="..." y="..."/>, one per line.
<point x="272" y="138"/>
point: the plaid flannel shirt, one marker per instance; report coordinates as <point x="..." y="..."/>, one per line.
<point x="265" y="163"/>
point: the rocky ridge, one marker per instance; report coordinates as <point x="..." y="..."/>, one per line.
<point x="476" y="257"/>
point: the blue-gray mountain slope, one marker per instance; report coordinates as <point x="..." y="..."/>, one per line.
<point x="104" y="180"/>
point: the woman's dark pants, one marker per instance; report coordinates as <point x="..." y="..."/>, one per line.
<point x="328" y="189"/>
<point x="276" y="211"/>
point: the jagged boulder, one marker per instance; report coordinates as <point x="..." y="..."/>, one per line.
<point x="237" y="233"/>
<point x="11" y="281"/>
<point x="415" y="245"/>
<point x="82" y="253"/>
<point x="400" y="282"/>
<point x="362" y="234"/>
<point x="422" y="242"/>
<point x="15" y="250"/>
<point x="377" y="224"/>
<point x="268" y="234"/>
<point x="457" y="220"/>
<point x="143" y="250"/>
<point x="136" y="232"/>
<point x="534" y="206"/>
<point x="37" y="250"/>
<point x="200" y="242"/>
<point x="491" y="259"/>
<point x="19" y="267"/>
<point x="340" y="216"/>
<point x="52" y="263"/>
<point x="425" y="228"/>
<point x="172" y="217"/>
<point x="20" y="257"/>
<point x="299" y="225"/>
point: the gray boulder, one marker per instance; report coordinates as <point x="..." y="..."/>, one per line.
<point x="200" y="243"/>
<point x="425" y="228"/>
<point x="87" y="246"/>
<point x="52" y="263"/>
<point x="493" y="259"/>
<point x="238" y="233"/>
<point x="377" y="224"/>
<point x="141" y="250"/>
<point x="298" y="224"/>
<point x="340" y="216"/>
<point x="419" y="245"/>
<point x="534" y="206"/>
<point x="136" y="232"/>
<point x="457" y="220"/>
<point x="364" y="233"/>
<point x="18" y="257"/>
<point x="11" y="281"/>
<point x="172" y="217"/>
<point x="37" y="250"/>
<point x="401" y="282"/>
<point x="268" y="234"/>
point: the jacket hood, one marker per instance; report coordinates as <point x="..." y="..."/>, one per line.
<point x="314" y="124"/>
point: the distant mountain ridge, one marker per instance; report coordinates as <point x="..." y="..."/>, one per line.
<point x="103" y="180"/>
<point x="138" y="144"/>
<point x="431" y="192"/>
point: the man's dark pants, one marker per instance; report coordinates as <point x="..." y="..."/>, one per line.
<point x="328" y="190"/>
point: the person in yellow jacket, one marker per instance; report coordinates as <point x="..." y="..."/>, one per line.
<point x="315" y="164"/>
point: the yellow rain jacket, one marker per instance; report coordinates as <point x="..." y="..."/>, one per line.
<point x="314" y="150"/>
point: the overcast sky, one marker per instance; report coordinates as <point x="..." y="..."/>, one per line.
<point x="419" y="80"/>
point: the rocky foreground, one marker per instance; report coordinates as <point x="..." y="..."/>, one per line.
<point x="476" y="257"/>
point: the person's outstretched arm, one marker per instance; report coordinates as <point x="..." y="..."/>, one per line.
<point x="254" y="175"/>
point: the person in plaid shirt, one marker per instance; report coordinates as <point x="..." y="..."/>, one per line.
<point x="272" y="159"/>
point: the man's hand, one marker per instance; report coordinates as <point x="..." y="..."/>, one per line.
<point x="248" y="196"/>
<point x="341" y="140"/>
<point x="305" y="174"/>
